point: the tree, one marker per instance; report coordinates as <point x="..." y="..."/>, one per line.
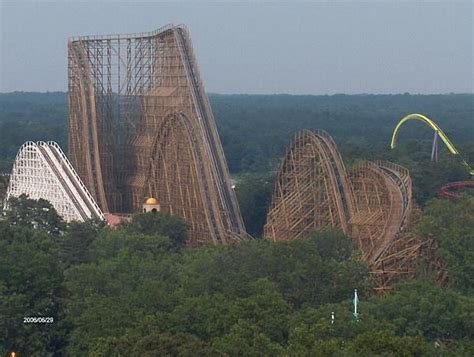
<point x="204" y="316"/>
<point x="159" y="223"/>
<point x="127" y="277"/>
<point x="37" y="214"/>
<point x="451" y="224"/>
<point x="254" y="195"/>
<point x="382" y="343"/>
<point x="266" y="309"/>
<point x="333" y="245"/>
<point x="172" y="345"/>
<point x="153" y="344"/>
<point x="76" y="242"/>
<point x="245" y="339"/>
<point x="423" y="308"/>
<point x="5" y="168"/>
<point x="30" y="286"/>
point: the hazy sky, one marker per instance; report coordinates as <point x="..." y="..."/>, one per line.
<point x="261" y="47"/>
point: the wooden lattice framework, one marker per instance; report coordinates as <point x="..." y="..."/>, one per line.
<point x="382" y="192"/>
<point x="141" y="126"/>
<point x="383" y="215"/>
<point x="372" y="204"/>
<point x="312" y="190"/>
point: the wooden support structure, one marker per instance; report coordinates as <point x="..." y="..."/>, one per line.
<point x="141" y="126"/>
<point x="372" y="203"/>
<point x="312" y="190"/>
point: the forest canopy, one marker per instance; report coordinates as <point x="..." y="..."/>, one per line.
<point x="136" y="290"/>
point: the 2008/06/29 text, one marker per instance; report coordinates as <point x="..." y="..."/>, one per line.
<point x="38" y="320"/>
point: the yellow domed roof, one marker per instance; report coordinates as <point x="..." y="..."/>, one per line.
<point x="151" y="201"/>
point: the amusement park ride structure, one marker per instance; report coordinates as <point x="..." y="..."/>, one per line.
<point x="372" y="203"/>
<point x="141" y="126"/>
<point x="452" y="189"/>
<point x="42" y="170"/>
<point x="438" y="133"/>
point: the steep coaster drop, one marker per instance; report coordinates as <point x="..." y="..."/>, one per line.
<point x="141" y="126"/>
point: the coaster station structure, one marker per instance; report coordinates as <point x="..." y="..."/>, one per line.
<point x="141" y="126"/>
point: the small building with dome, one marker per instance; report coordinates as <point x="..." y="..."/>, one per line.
<point x="151" y="205"/>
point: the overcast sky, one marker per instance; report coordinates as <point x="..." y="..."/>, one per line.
<point x="260" y="47"/>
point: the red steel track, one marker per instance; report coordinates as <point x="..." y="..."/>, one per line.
<point x="453" y="189"/>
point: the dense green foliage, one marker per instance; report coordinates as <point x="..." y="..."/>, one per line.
<point x="31" y="117"/>
<point x="30" y="279"/>
<point x="451" y="224"/>
<point x="254" y="193"/>
<point x="38" y="214"/>
<point x="3" y="189"/>
<point x="137" y="290"/>
<point x="256" y="129"/>
<point x="174" y="227"/>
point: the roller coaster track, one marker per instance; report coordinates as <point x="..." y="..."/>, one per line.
<point x="372" y="204"/>
<point x="382" y="191"/>
<point x="86" y="123"/>
<point x="134" y="98"/>
<point x="312" y="190"/>
<point x="452" y="190"/>
<point x="452" y="149"/>
<point x="342" y="184"/>
<point x="177" y="128"/>
<point x="41" y="170"/>
<point x="205" y="115"/>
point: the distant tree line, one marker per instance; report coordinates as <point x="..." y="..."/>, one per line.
<point x="256" y="129"/>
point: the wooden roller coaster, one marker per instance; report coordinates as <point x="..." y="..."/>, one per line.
<point x="372" y="204"/>
<point x="312" y="191"/>
<point x="141" y="126"/>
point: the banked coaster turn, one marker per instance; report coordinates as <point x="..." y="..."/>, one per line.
<point x="372" y="203"/>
